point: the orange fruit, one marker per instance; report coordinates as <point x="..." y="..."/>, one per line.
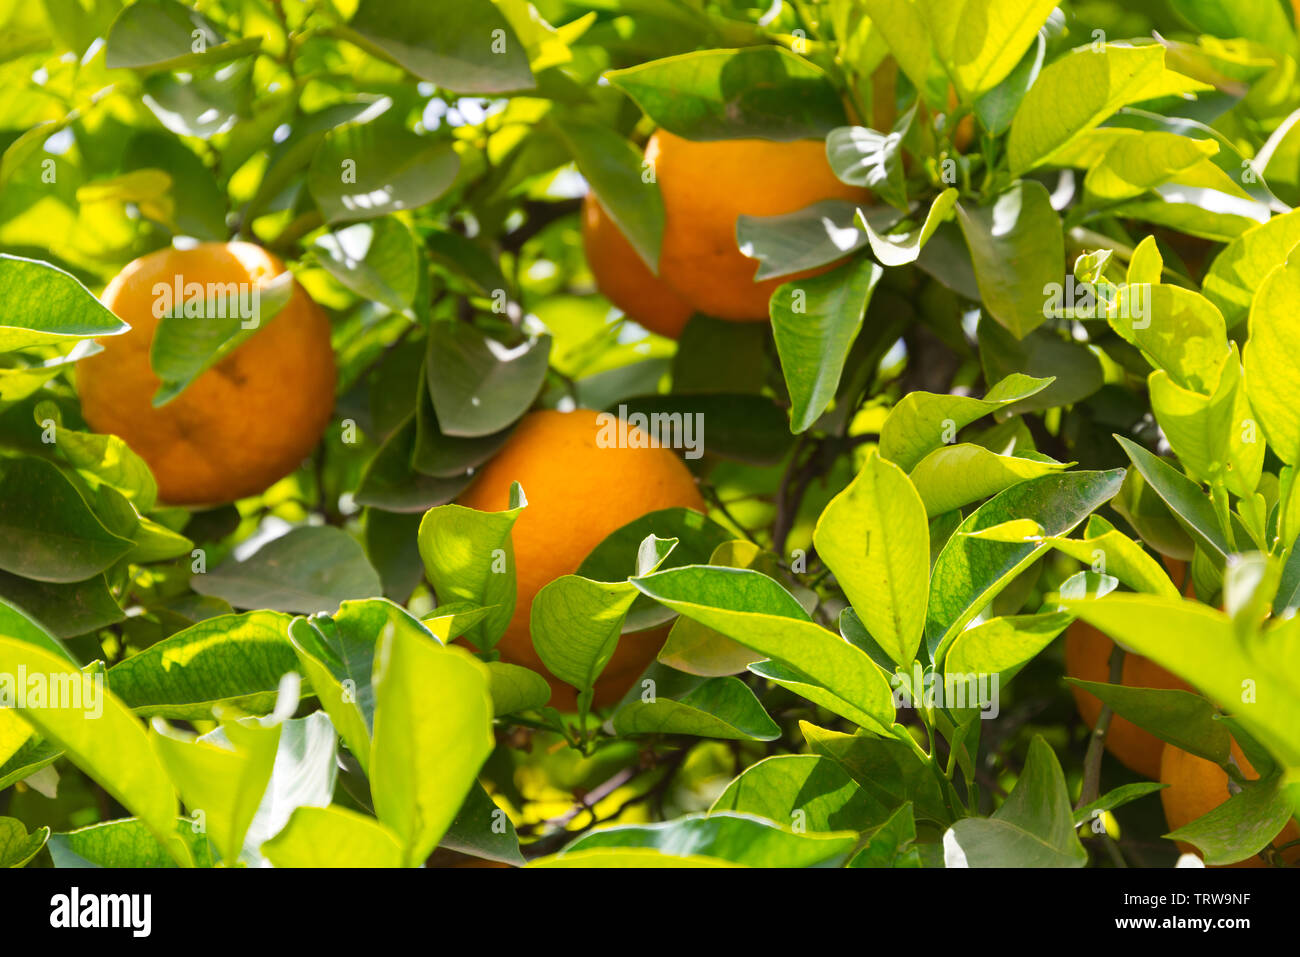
<point x="1196" y="787"/>
<point x="578" y="493"/>
<point x="706" y="186"/>
<point x="240" y="425"/>
<point x="624" y="279"/>
<point x="1087" y="657"/>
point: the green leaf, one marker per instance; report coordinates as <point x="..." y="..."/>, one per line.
<point x="469" y="557"/>
<point x="195" y="335"/>
<point x="390" y="482"/>
<point x="15" y="624"/>
<point x="698" y="539"/>
<point x="807" y="790"/>
<point x="875" y="538"/>
<point x="979" y="42"/>
<point x="1080" y="90"/>
<point x="758" y="613"/>
<point x="698" y="650"/>
<point x="904" y="29"/>
<point x="739" y="838"/>
<point x="957" y="475"/>
<point x="1120" y="796"/>
<point x="1178" y="330"/>
<point x="126" y="842"/>
<point x="1238" y="271"/>
<point x="478" y="385"/>
<point x="970" y="572"/>
<point x="620" y="859"/>
<point x="105" y="458"/>
<point x="1017" y="247"/>
<point x="99" y="735"/>
<point x="337" y="654"/>
<point x="515" y="688"/>
<point x="1001" y="644"/>
<point x="166" y="35"/>
<point x="1073" y="369"/>
<point x="576" y="624"/>
<point x="1183" y="719"/>
<point x="819" y="233"/>
<point x="756" y="91"/>
<point x="886" y="768"/>
<point x="235" y="661"/>
<point x="432" y="733"/>
<point x="47" y="531"/>
<point x="1189" y="504"/>
<point x="1034" y="827"/>
<point x="815" y="322"/>
<point x="1135" y="164"/>
<point x="311" y="569"/>
<point x="17" y="847"/>
<point x="890" y="844"/>
<point x="333" y="837"/>
<point x="67" y="610"/>
<point x="1271" y="360"/>
<point x="903" y="248"/>
<point x="612" y="167"/>
<point x="1241" y="826"/>
<point x="862" y="157"/>
<point x="483" y="830"/>
<point x="924" y="421"/>
<point x="378" y="261"/>
<point x="1213" y="436"/>
<point x="467" y="47"/>
<point x="223" y="781"/>
<point x="1111" y="552"/>
<point x="368" y="170"/>
<point x="722" y="708"/>
<point x="200" y="204"/>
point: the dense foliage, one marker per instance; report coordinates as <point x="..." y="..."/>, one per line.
<point x="1052" y="360"/>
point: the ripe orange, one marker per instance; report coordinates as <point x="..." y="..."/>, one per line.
<point x="1197" y="787"/>
<point x="624" y="279"/>
<point x="1087" y="657"/>
<point x="706" y="186"/>
<point x="578" y="493"/>
<point x="242" y="424"/>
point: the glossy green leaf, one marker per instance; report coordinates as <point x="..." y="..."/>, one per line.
<point x="231" y="660"/>
<point x="311" y="569"/>
<point x="804" y="790"/>
<point x="956" y="475"/>
<point x="815" y="322"/>
<point x="727" y="835"/>
<point x="1018" y="248"/>
<point x="1271" y="360"/>
<point x="979" y="42"/>
<point x="368" y="170"/>
<point x="333" y="837"/>
<point x="722" y="708"/>
<point x="1238" y="272"/>
<point x="875" y="537"/>
<point x="47" y="532"/>
<point x="924" y="421"/>
<point x="757" y="612"/>
<point x="763" y="91"/>
<point x="970" y="572"/>
<point x="432" y="733"/>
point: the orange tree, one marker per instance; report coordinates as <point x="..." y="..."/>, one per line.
<point x="475" y="432"/>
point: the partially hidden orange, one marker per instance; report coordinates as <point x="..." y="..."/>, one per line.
<point x="578" y="493"/>
<point x="244" y="423"/>
<point x="624" y="279"/>
<point x="706" y="186"/>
